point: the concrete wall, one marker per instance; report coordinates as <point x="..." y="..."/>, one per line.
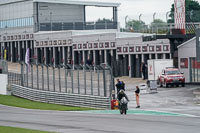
<point x="128" y="41"/>
<point x="52" y="13"/>
<point x="16" y="10"/>
<point x="60" y="35"/>
<point x="3" y="84"/>
<point x="187" y="50"/>
<point x="94" y="38"/>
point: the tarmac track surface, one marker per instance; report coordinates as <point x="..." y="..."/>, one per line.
<point x="172" y="99"/>
<point x="82" y="122"/>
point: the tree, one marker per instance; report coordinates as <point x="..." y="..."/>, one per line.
<point x="192" y="11"/>
<point x="134" y="25"/>
<point x="158" y="26"/>
<point x="158" y="23"/>
<point x="104" y="20"/>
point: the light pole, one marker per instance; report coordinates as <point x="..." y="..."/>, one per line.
<point x="167" y="13"/>
<point x="126" y="22"/>
<point x="191" y="13"/>
<point x="140" y="18"/>
<point x="50" y="20"/>
<point x="139" y="21"/>
<point x="154" y="14"/>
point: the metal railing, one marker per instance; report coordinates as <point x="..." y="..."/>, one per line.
<point x="3" y="67"/>
<point x="161" y="28"/>
<point x="77" y="79"/>
<point x="78" y="85"/>
<point x="14" y="78"/>
<point x="61" y="98"/>
<point x="57" y="26"/>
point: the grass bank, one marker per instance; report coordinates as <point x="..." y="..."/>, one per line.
<point x="5" y="129"/>
<point x="24" y="103"/>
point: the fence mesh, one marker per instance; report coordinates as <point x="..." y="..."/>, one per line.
<point x="87" y="80"/>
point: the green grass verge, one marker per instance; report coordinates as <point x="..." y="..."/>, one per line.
<point x="24" y="103"/>
<point x="5" y="129"/>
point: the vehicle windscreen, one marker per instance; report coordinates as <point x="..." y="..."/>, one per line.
<point x="172" y="72"/>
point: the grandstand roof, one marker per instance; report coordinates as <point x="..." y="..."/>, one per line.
<point x="72" y="2"/>
<point x="81" y="2"/>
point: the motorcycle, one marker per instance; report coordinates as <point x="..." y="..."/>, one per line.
<point x="123" y="106"/>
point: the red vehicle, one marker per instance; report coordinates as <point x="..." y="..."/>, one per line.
<point x="171" y="76"/>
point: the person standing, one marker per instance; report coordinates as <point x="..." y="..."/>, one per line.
<point x="137" y="95"/>
<point x="143" y="70"/>
<point x="122" y="85"/>
<point x="118" y="86"/>
<point x="69" y="70"/>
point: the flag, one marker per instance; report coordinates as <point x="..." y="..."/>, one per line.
<point x="5" y="53"/>
<point x="179" y="15"/>
<point x="27" y="59"/>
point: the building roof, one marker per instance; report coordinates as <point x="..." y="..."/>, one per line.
<point x="185" y="43"/>
<point x="118" y="35"/>
<point x="71" y="2"/>
<point x="81" y="2"/>
<point x="10" y="1"/>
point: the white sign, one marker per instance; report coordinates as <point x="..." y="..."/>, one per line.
<point x="3" y="84"/>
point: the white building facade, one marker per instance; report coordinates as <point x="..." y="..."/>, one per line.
<point x="57" y="31"/>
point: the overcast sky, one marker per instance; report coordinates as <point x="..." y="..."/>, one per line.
<point x="132" y="9"/>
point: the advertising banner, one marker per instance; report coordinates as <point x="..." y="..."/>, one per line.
<point x="198" y="45"/>
<point x="179" y="15"/>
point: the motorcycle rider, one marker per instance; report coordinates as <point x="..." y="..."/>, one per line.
<point x="122" y="94"/>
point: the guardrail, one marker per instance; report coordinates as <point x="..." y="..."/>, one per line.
<point x="61" y="98"/>
<point x="14" y="78"/>
<point x="84" y="80"/>
<point x="57" y="26"/>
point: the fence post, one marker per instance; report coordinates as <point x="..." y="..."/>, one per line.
<point x="42" y="76"/>
<point x="98" y="82"/>
<point x="72" y="82"/>
<point x="37" y="77"/>
<point x="91" y="82"/>
<point x="104" y="82"/>
<point x="22" y="74"/>
<point x="59" y="78"/>
<point x="27" y="74"/>
<point x="85" y="80"/>
<point x="47" y="67"/>
<point x="78" y="81"/>
<point x="32" y="75"/>
<point x="65" y="79"/>
<point x="53" y="78"/>
<point x="112" y="87"/>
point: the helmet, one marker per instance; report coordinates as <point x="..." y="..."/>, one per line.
<point x="121" y="91"/>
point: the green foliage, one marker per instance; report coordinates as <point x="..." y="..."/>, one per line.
<point x="23" y="103"/>
<point x="104" y="20"/>
<point x="5" y="129"/>
<point x="192" y="10"/>
<point x="158" y="21"/>
<point x="159" y="26"/>
<point x="134" y="25"/>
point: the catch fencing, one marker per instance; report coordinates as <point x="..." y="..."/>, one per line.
<point x="61" y="98"/>
<point x="84" y="81"/>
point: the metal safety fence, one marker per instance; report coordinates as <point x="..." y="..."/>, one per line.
<point x="77" y="79"/>
<point x="14" y="78"/>
<point x="61" y="98"/>
<point x="3" y="67"/>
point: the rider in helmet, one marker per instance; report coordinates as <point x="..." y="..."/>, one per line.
<point x="122" y="94"/>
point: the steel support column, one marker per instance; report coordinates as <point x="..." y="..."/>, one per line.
<point x="129" y="65"/>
